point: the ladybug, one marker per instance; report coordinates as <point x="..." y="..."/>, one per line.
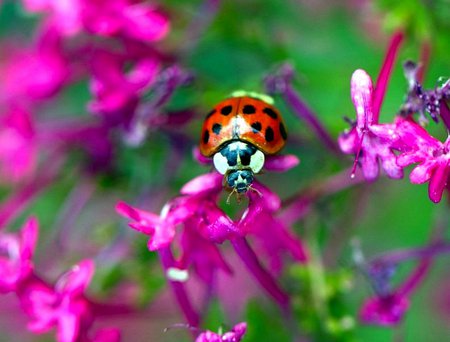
<point x="238" y="133"/>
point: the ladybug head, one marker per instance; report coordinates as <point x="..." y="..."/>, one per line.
<point x="240" y="180"/>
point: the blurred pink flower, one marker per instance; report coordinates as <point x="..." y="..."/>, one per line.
<point x="33" y="74"/>
<point x="63" y="306"/>
<point x="368" y="140"/>
<point x="16" y="252"/>
<point x="115" y="91"/>
<point x="235" y="335"/>
<point x="64" y="15"/>
<point x="127" y="18"/>
<point x="18" y="147"/>
<point x="388" y="310"/>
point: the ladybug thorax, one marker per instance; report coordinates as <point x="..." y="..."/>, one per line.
<point x="239" y="161"/>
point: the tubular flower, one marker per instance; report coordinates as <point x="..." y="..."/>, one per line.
<point x="205" y="222"/>
<point x="432" y="155"/>
<point x="116" y="94"/>
<point x="16" y="256"/>
<point x="45" y="62"/>
<point x="235" y="335"/>
<point x="126" y="18"/>
<point x="18" y="147"/>
<point x="370" y="141"/>
<point x="388" y="310"/>
<point x="62" y="306"/>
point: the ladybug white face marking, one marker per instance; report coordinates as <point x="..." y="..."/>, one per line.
<point x="239" y="160"/>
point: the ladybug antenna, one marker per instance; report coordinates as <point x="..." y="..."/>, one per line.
<point x="250" y="187"/>
<point x="231" y="194"/>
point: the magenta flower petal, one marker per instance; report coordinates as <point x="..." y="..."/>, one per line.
<point x="386" y="311"/>
<point x="281" y="163"/>
<point x="235" y="335"/>
<point x="144" y="23"/>
<point x="160" y="230"/>
<point x="16" y="252"/>
<point x="439" y="182"/>
<point x="202" y="184"/>
<point x="144" y="221"/>
<point x="18" y="147"/>
<point x="200" y="158"/>
<point x="77" y="279"/>
<point x="372" y="143"/>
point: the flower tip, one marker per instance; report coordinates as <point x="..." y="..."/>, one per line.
<point x="281" y="163"/>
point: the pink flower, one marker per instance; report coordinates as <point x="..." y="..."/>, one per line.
<point x="64" y="15"/>
<point x="126" y="18"/>
<point x="18" y="150"/>
<point x="45" y="63"/>
<point x="235" y="335"/>
<point x="370" y="141"/>
<point x="139" y="21"/>
<point x="432" y="155"/>
<point x="16" y="256"/>
<point x="62" y="306"/>
<point x="116" y="93"/>
<point x="388" y="310"/>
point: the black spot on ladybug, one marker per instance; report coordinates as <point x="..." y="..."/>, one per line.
<point x="256" y="127"/>
<point x="269" y="134"/>
<point x="205" y="137"/>
<point x="283" y="131"/>
<point x="216" y="128"/>
<point x="270" y="112"/>
<point x="210" y="113"/>
<point x="226" y="110"/>
<point x="249" y="109"/>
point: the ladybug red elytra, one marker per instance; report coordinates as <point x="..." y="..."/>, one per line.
<point x="238" y="133"/>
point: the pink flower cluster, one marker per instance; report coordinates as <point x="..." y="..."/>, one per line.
<point x="62" y="306"/>
<point x="203" y="225"/>
<point x="395" y="145"/>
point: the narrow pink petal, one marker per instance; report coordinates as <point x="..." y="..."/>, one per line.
<point x="369" y="164"/>
<point x="162" y="237"/>
<point x="406" y="159"/>
<point x="68" y="328"/>
<point x="143" y="22"/>
<point x="361" y="92"/>
<point x="438" y="182"/>
<point x="200" y="158"/>
<point x="29" y="237"/>
<point x="281" y="163"/>
<point x="77" y="279"/>
<point x="204" y="183"/>
<point x="421" y="173"/>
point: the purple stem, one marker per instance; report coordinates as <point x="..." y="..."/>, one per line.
<point x="77" y="200"/>
<point x="264" y="278"/>
<point x="167" y="261"/>
<point x="205" y="15"/>
<point x="14" y="205"/>
<point x="280" y="82"/>
<point x="415" y="278"/>
<point x="445" y="113"/>
<point x="398" y="256"/>
<point x="385" y="74"/>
